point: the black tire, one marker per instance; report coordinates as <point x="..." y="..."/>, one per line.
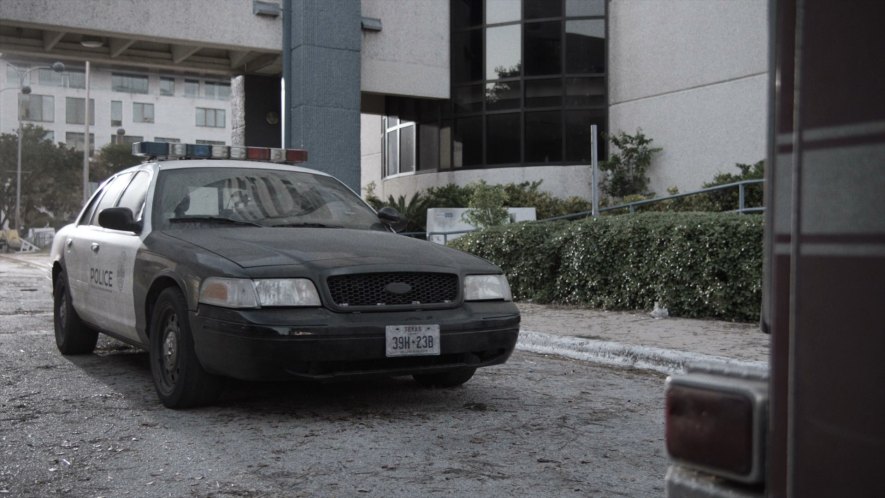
<point x="72" y="336"/>
<point x="446" y="379"/>
<point x="178" y="376"/>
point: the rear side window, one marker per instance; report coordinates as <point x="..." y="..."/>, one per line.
<point x="135" y="194"/>
<point x="110" y="195"/>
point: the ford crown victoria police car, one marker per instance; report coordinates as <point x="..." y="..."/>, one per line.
<point x="257" y="270"/>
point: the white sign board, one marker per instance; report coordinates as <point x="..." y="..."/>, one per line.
<point x="441" y="222"/>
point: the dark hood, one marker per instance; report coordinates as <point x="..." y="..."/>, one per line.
<point x="252" y="247"/>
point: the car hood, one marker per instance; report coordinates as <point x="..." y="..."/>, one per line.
<point x="252" y="247"/>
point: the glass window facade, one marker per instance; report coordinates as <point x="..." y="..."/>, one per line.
<point x="528" y="79"/>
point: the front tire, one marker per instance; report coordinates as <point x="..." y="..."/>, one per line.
<point x="72" y="336"/>
<point x="446" y="379"/>
<point x="180" y="380"/>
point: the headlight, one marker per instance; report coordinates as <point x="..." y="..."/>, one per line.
<point x="246" y="293"/>
<point x="486" y="288"/>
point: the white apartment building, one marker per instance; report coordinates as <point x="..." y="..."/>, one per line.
<point x="126" y="104"/>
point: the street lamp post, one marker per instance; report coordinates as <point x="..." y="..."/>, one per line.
<point x="58" y="67"/>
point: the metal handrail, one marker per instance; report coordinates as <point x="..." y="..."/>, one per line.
<point x="742" y="208"/>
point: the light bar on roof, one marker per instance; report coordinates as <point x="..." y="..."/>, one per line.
<point x="163" y="150"/>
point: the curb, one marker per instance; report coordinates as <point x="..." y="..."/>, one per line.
<point x="666" y="361"/>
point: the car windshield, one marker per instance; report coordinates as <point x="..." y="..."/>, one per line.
<point x="226" y="196"/>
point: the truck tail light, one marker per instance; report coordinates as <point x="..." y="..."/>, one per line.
<point x="716" y="423"/>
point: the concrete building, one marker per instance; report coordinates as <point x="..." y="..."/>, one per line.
<point x="413" y="94"/>
<point x="143" y="104"/>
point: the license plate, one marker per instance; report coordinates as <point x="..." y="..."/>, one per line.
<point x="412" y="340"/>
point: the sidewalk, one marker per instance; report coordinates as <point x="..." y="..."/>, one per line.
<point x="636" y="339"/>
<point x="631" y="339"/>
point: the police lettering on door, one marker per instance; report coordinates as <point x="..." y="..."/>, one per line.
<point x="101" y="278"/>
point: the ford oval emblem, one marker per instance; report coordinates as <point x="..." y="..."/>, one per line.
<point x="398" y="287"/>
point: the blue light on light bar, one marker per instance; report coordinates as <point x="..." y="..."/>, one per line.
<point x="151" y="149"/>
<point x="198" y="151"/>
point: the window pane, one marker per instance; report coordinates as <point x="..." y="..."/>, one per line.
<point x="503" y="11"/>
<point x="543" y="48"/>
<point x="466" y="13"/>
<point x="467" y="51"/>
<point x="407" y="149"/>
<point x="48" y="77"/>
<point x="37" y="108"/>
<point x="575" y="8"/>
<point x="503" y="53"/>
<point x="502" y="135"/>
<point x="76" y="79"/>
<point x="585" y="46"/>
<point x="135" y="194"/>
<point x="392" y="155"/>
<point x="503" y="95"/>
<point x="535" y="9"/>
<point x="543" y="93"/>
<point x="130" y="83"/>
<point x="116" y="113"/>
<point x="468" y="142"/>
<point x="585" y="92"/>
<point x="191" y="88"/>
<point x="445" y="145"/>
<point x="468" y="98"/>
<point x="543" y="137"/>
<point x="577" y="134"/>
<point x="167" y="86"/>
<point x="201" y="117"/>
<point x="75" y="112"/>
<point x="428" y="158"/>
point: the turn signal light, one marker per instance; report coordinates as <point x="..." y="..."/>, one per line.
<point x="716" y="423"/>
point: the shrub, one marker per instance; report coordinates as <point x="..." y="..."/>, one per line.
<point x="486" y="206"/>
<point x="695" y="264"/>
<point x="626" y="167"/>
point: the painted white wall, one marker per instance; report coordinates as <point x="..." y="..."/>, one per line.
<point x="410" y="55"/>
<point x="692" y="75"/>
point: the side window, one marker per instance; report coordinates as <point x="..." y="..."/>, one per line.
<point x="135" y="194"/>
<point x="112" y="192"/>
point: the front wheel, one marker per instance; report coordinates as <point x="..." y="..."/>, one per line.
<point x="445" y="379"/>
<point x="178" y="376"/>
<point x="72" y="336"/>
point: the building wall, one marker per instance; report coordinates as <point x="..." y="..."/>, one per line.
<point x="410" y="55"/>
<point x="692" y="75"/>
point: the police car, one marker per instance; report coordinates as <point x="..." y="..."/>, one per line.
<point x="223" y="261"/>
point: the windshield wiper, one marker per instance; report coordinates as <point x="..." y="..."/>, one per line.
<point x="214" y="219"/>
<point x="306" y="225"/>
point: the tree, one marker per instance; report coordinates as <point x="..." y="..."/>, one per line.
<point x="487" y="206"/>
<point x="626" y="168"/>
<point x="111" y="159"/>
<point x="51" y="191"/>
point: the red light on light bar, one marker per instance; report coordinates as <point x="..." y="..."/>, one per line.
<point x="257" y="153"/>
<point x="296" y="155"/>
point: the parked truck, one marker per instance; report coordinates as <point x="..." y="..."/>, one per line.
<point x="813" y="424"/>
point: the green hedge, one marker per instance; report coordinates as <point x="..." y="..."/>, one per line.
<point x="695" y="264"/>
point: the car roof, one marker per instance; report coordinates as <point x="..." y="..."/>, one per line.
<point x="155" y="165"/>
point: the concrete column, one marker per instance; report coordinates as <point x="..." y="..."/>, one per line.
<point x="322" y="84"/>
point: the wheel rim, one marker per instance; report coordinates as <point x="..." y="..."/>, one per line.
<point x="168" y="360"/>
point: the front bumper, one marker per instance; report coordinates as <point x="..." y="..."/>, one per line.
<point x="315" y="343"/>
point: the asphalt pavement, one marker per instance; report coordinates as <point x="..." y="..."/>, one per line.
<point x="629" y="339"/>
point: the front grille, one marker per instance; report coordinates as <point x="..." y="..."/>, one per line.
<point x="393" y="289"/>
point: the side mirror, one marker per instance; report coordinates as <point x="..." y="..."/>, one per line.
<point x="118" y="218"/>
<point x="391" y="217"/>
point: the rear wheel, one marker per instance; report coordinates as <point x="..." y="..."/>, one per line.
<point x="178" y="376"/>
<point x="72" y="336"/>
<point x="445" y="379"/>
